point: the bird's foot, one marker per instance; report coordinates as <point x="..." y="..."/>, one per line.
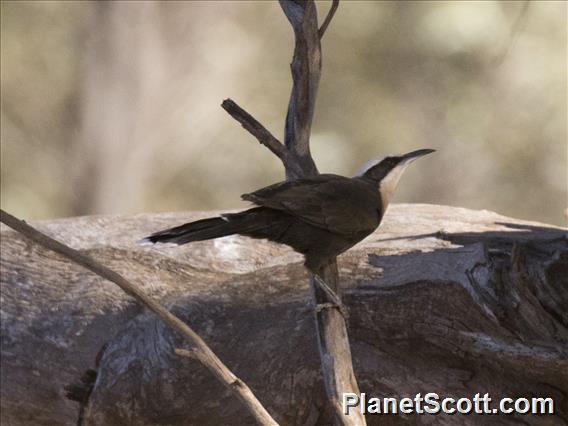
<point x="335" y="303"/>
<point x="341" y="308"/>
<point x="321" y="306"/>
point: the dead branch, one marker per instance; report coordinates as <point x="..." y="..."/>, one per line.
<point x="252" y="125"/>
<point x="306" y="72"/>
<point x="333" y="341"/>
<point x="202" y="352"/>
<point x="263" y="136"/>
<point x="328" y="18"/>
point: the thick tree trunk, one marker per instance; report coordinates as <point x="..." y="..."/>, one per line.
<point x="441" y="299"/>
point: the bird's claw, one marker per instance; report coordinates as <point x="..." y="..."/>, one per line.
<point x="335" y="303"/>
<point x="341" y="308"/>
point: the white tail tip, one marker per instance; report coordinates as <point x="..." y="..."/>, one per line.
<point x="145" y="242"/>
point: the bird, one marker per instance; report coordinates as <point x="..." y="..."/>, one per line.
<point x="319" y="217"/>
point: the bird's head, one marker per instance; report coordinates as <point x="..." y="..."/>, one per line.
<point x="387" y="171"/>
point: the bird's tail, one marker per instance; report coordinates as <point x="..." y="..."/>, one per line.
<point x="206" y="229"/>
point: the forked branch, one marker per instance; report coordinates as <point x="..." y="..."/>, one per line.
<point x="203" y="353"/>
<point x="333" y="341"/>
<point x="328" y="18"/>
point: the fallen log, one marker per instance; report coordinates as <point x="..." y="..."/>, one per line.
<point x="441" y="299"/>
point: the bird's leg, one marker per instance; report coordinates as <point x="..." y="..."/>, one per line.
<point x="335" y="299"/>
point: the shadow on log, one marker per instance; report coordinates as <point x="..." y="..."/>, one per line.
<point x="442" y="299"/>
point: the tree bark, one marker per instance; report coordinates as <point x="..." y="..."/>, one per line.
<point x="441" y="299"/>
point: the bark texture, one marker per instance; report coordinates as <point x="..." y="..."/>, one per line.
<point x="441" y="299"/>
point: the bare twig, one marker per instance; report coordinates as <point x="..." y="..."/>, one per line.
<point x="199" y="347"/>
<point x="237" y="385"/>
<point x="328" y="18"/>
<point x="255" y="128"/>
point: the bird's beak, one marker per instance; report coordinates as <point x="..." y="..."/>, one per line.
<point x="411" y="156"/>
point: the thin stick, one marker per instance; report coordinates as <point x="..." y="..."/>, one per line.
<point x="328" y="18"/>
<point x="255" y="128"/>
<point x="200" y="348"/>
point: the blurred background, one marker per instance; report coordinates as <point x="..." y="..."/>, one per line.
<point x="114" y="107"/>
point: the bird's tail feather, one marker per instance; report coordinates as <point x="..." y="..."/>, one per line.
<point x="206" y="229"/>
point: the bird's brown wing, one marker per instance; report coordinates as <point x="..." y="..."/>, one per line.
<point x="335" y="203"/>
